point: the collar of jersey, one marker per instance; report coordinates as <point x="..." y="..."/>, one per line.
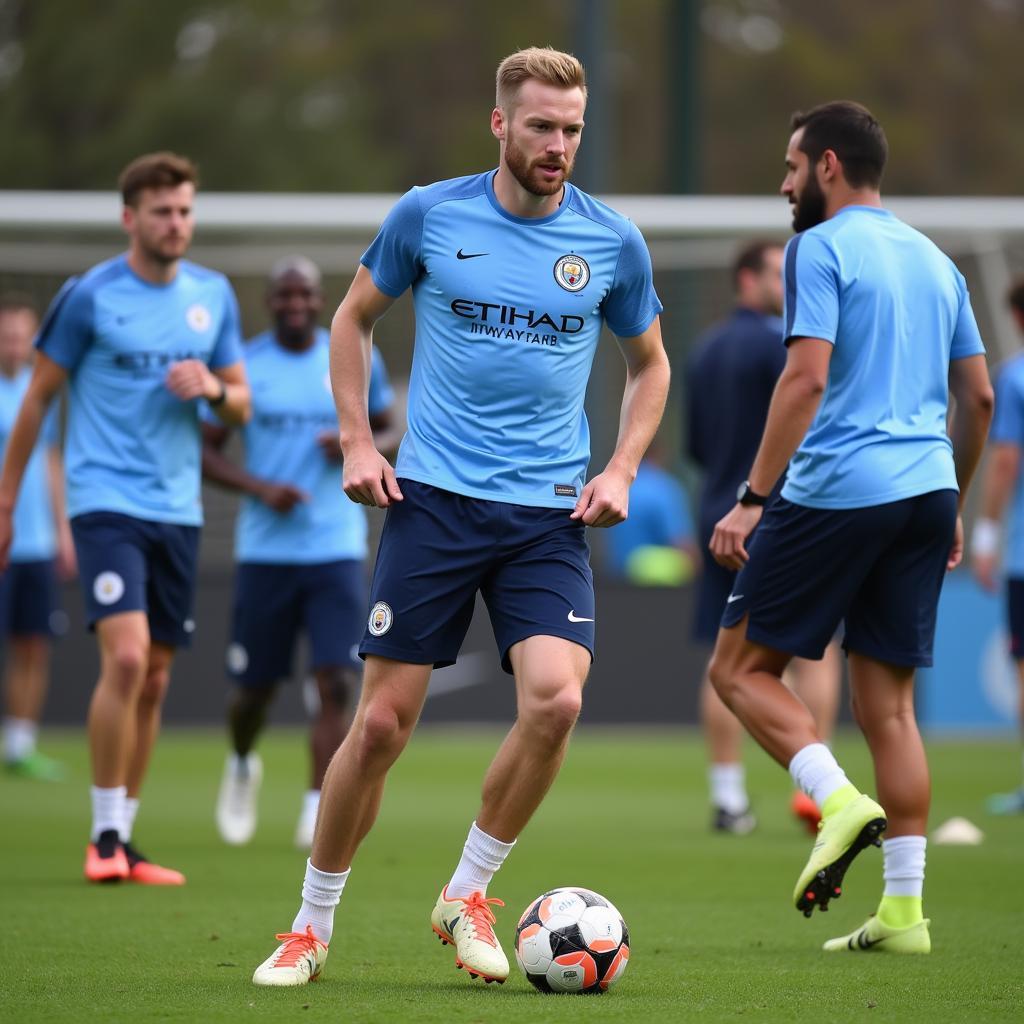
<point x="854" y="207"/>
<point x="493" y="200"/>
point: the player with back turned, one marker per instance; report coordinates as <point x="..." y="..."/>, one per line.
<point x="879" y="329"/>
<point x="140" y="339"/>
<point x="513" y="273"/>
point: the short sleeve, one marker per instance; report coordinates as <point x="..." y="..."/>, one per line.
<point x="227" y="349"/>
<point x="631" y="304"/>
<point x="966" y="336"/>
<point x="393" y="258"/>
<point x="1008" y="421"/>
<point x="382" y="395"/>
<point x="67" y="329"/>
<point x="811" y="279"/>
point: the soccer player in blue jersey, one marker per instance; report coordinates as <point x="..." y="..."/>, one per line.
<point x="513" y="273"/>
<point x="42" y="549"/>
<point x="879" y="330"/>
<point x="139" y="339"/>
<point x="1002" y="489"/>
<point x="729" y="383"/>
<point x="300" y="543"/>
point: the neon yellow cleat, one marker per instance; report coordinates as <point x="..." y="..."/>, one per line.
<point x="841" y="836"/>
<point x="875" y="936"/>
<point x="467" y="923"/>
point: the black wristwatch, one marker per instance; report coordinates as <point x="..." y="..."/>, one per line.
<point x="220" y="398"/>
<point x="745" y="496"/>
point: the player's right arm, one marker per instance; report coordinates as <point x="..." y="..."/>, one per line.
<point x="219" y="469"/>
<point x="368" y="477"/>
<point x="47" y="379"/>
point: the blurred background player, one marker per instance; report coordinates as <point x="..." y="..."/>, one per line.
<point x="300" y="543"/>
<point x="655" y="546"/>
<point x="729" y="385"/>
<point x="41" y="551"/>
<point x="880" y="330"/>
<point x="514" y="272"/>
<point x="141" y="338"/>
<point x="1002" y="490"/>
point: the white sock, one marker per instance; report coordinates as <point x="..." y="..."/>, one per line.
<point x="131" y="808"/>
<point x="481" y="857"/>
<point x="321" y="891"/>
<point x="817" y="773"/>
<point x="904" y="865"/>
<point x="241" y="764"/>
<point x="107" y="810"/>
<point x="19" y="738"/>
<point x="728" y="787"/>
<point x="310" y="803"/>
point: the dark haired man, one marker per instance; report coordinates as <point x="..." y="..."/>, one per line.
<point x="879" y="330"/>
<point x="140" y="338"/>
<point x="1003" y="486"/>
<point x="729" y="383"/>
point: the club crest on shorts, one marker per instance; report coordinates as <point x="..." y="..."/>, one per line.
<point x="198" y="317"/>
<point x="107" y="588"/>
<point x="381" y="617"/>
<point x="237" y="658"/>
<point x="572" y="272"/>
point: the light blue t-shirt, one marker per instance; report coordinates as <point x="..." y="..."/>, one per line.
<point x="132" y="446"/>
<point x="659" y="514"/>
<point x="508" y="314"/>
<point x="896" y="311"/>
<point x="35" y="533"/>
<point x="292" y="406"/>
<point x="1008" y="428"/>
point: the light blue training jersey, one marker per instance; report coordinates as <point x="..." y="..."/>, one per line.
<point x="35" y="533"/>
<point x="508" y="314"/>
<point x="896" y="311"/>
<point x="132" y="446"/>
<point x="292" y="406"/>
<point x="1008" y="428"/>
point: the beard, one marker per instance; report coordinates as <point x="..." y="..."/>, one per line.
<point x="167" y="251"/>
<point x="524" y="172"/>
<point x="809" y="209"/>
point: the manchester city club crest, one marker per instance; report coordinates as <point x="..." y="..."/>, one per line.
<point x="572" y="272"/>
<point x="198" y="317"/>
<point x="381" y="618"/>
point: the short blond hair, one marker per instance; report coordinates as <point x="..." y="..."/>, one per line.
<point x="543" y="63"/>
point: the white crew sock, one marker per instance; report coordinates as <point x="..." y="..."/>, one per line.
<point x="816" y="771"/>
<point x="728" y="787"/>
<point x="19" y="738"/>
<point x="481" y="857"/>
<point x="311" y="803"/>
<point x="131" y="809"/>
<point x="107" y="810"/>
<point x="904" y="865"/>
<point x="321" y="891"/>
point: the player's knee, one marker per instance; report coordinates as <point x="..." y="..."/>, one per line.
<point x="336" y="687"/>
<point x="722" y="677"/>
<point x="381" y="734"/>
<point x="551" y="718"/>
<point x="126" y="667"/>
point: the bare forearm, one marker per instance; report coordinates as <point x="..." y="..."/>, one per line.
<point x="350" y="377"/>
<point x="19" y="446"/>
<point x="643" y="403"/>
<point x="968" y="431"/>
<point x="220" y="470"/>
<point x="234" y="410"/>
<point x="55" y="478"/>
<point x="792" y="409"/>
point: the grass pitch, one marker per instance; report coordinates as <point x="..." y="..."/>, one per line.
<point x="714" y="937"/>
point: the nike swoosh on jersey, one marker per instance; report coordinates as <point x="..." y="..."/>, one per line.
<point x="460" y="255"/>
<point x="573" y="617"/>
<point x="732" y="597"/>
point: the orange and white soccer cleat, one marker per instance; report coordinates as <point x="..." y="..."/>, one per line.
<point x="467" y="923"/>
<point x="105" y="860"/>
<point x="300" y="958"/>
<point x="145" y="872"/>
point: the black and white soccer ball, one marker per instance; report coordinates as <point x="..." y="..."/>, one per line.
<point x="572" y="940"/>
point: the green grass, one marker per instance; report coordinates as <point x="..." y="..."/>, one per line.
<point x="714" y="937"/>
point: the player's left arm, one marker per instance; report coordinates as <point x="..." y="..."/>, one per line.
<point x="794" y="403"/>
<point x="605" y="498"/>
<point x="67" y="563"/>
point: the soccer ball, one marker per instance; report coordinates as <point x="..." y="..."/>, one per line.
<point x="572" y="940"/>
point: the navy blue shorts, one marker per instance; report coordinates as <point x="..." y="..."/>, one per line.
<point x="880" y="568"/>
<point x="713" y="589"/>
<point x="128" y="565"/>
<point x="1015" y="615"/>
<point x="28" y="599"/>
<point x="274" y="603"/>
<point x="532" y="566"/>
